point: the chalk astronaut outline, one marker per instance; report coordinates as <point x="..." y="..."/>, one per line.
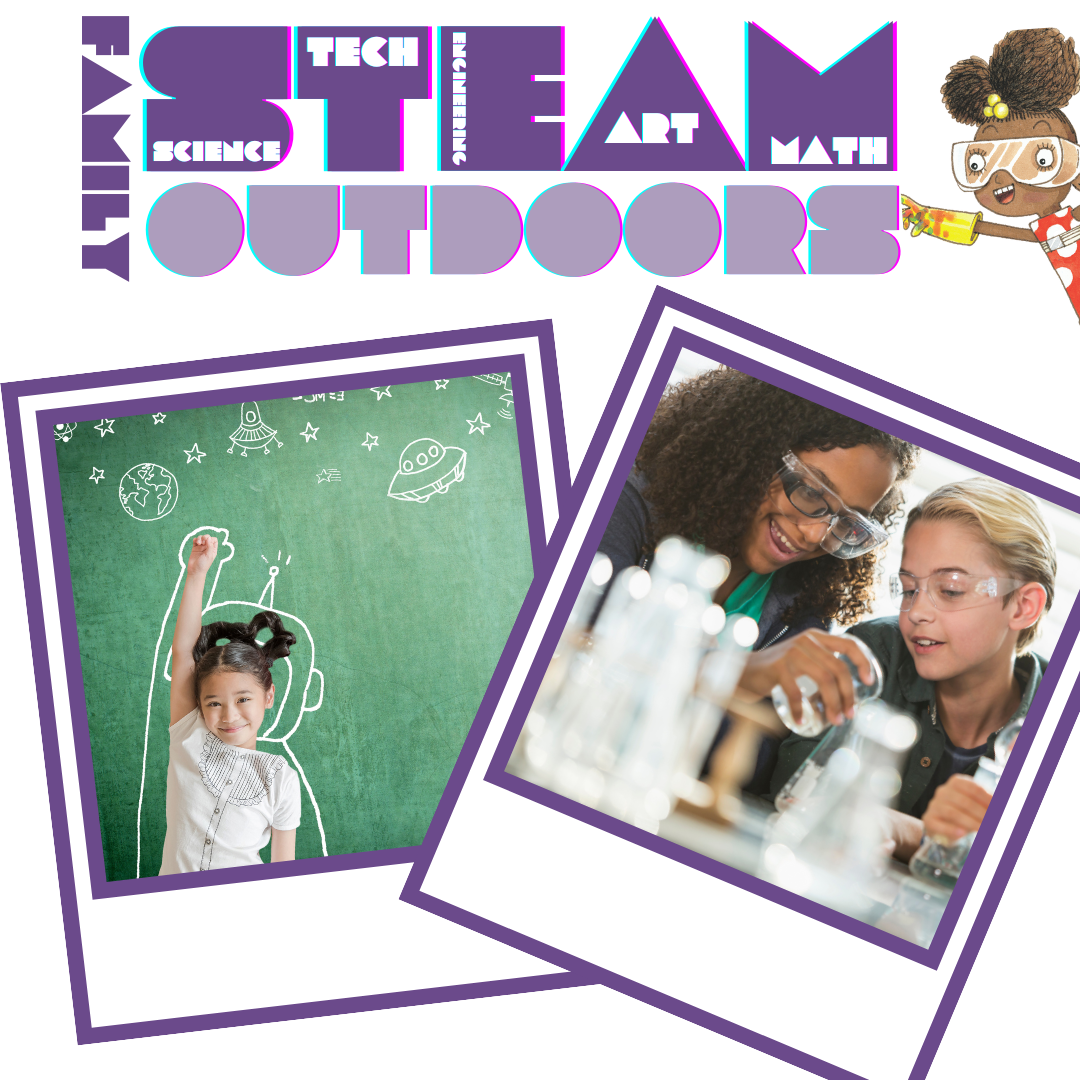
<point x="166" y="672"/>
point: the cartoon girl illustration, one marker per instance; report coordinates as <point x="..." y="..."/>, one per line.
<point x="1024" y="159"/>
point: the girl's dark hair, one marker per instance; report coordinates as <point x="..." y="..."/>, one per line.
<point x="243" y="652"/>
<point x="1035" y="72"/>
<point x="711" y="453"/>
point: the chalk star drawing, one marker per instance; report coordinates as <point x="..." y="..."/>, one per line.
<point x="97" y="475"/>
<point x="440" y="384"/>
<point x="252" y="434"/>
<point x="380" y="392"/>
<point x="195" y="454"/>
<point x="148" y="491"/>
<point x="246" y="609"/>
<point x="274" y="569"/>
<point x="159" y="418"/>
<point x="495" y="380"/>
<point x="309" y="433"/>
<point x="105" y="427"/>
<point x="63" y="432"/>
<point x="478" y="424"/>
<point x="426" y="468"/>
<point x="370" y="442"/>
<point x="328" y="475"/>
<point x="507" y="412"/>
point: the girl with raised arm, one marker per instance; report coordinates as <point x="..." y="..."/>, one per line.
<point x="225" y="800"/>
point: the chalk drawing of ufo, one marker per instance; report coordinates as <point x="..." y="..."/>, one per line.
<point x="252" y="434"/>
<point x="426" y="468"/>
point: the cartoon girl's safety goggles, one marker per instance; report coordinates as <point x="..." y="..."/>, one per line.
<point x="1041" y="161"/>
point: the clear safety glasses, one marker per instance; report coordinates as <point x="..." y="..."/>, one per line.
<point x="1041" y="161"/>
<point x="849" y="533"/>
<point x="949" y="590"/>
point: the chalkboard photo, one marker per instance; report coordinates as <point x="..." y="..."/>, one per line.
<point x="387" y="526"/>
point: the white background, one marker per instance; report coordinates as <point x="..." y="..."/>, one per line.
<point x="986" y="330"/>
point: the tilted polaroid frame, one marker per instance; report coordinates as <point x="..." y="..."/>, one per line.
<point x="660" y="922"/>
<point x="346" y="943"/>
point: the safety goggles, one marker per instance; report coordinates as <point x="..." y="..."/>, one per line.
<point x="1041" y="161"/>
<point x="949" y="590"/>
<point x="849" y="533"/>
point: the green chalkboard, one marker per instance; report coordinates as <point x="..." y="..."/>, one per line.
<point x="388" y="527"/>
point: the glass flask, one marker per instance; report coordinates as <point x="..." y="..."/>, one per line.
<point x="813" y="721"/>
<point x="942" y="863"/>
<point x="804" y="779"/>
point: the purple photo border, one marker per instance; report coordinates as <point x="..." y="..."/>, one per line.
<point x="11" y="394"/>
<point x="662" y="300"/>
<point x="496" y="774"/>
<point x="100" y="887"/>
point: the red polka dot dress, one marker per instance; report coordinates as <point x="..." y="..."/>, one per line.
<point x="1059" y="235"/>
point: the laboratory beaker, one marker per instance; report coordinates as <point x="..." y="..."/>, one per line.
<point x="813" y="721"/>
<point x="942" y="862"/>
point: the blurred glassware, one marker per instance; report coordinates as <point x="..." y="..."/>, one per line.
<point x="630" y="707"/>
<point x="829" y="843"/>
<point x="938" y="860"/>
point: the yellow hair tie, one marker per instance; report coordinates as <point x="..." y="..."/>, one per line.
<point x="996" y="107"/>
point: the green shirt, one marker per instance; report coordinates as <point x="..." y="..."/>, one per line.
<point x="748" y="597"/>
<point x="905" y="689"/>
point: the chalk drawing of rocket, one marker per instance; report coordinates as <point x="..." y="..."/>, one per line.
<point x="252" y="434"/>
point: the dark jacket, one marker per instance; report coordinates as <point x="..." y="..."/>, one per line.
<point x="627" y="541"/>
<point x="906" y="690"/>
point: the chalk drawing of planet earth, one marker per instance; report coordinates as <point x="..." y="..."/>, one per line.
<point x="148" y="492"/>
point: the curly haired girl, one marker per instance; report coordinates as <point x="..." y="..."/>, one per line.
<point x="225" y="800"/>
<point x="797" y="496"/>
<point x="1024" y="160"/>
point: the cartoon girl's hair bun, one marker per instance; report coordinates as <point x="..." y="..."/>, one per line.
<point x="1033" y="72"/>
<point x="243" y="651"/>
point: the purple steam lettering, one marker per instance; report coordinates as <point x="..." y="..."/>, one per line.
<point x="195" y="230"/>
<point x="108" y="34"/>
<point x="474" y="229"/>
<point x="105" y="178"/>
<point x="385" y="216"/>
<point x="655" y="117"/>
<point x="573" y="229"/>
<point x="762" y="228"/>
<point x="97" y="209"/>
<point x="364" y="73"/>
<point x="218" y="77"/>
<point x="490" y="99"/>
<point x="112" y="256"/>
<point x="852" y="237"/>
<point x="99" y="84"/>
<point x="842" y="118"/>
<point x="672" y="230"/>
<point x="293" y="229"/>
<point x="99" y="138"/>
